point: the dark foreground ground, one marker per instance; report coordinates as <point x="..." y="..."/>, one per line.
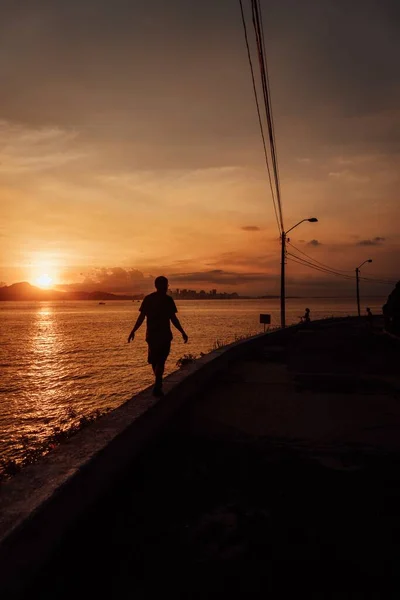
<point x="282" y="481"/>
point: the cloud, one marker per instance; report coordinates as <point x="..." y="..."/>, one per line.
<point x="376" y="241"/>
<point x="350" y="177"/>
<point x="120" y="280"/>
<point x="259" y="281"/>
<point x="251" y="228"/>
<point x="366" y="243"/>
<point x="219" y="276"/>
<point x="245" y="262"/>
<point x="314" y="243"/>
<point x="31" y="150"/>
<point x="114" y="279"/>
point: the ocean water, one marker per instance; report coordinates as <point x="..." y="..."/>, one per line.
<point x="60" y="361"/>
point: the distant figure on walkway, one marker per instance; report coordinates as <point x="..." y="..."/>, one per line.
<point x="306" y="317"/>
<point x="391" y="311"/>
<point x="370" y="317"/>
<point x="160" y="310"/>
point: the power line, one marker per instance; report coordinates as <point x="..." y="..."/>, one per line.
<point x="272" y="155"/>
<point x="315" y="260"/>
<point x="375" y="279"/>
<point x="387" y="281"/>
<point x="373" y="276"/>
<point x="307" y="263"/>
<point x="316" y="268"/>
<point x="259" y="35"/>
<point x="327" y="271"/>
<point x="259" y="115"/>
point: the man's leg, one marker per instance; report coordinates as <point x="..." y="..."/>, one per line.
<point x="158" y="372"/>
<point x="157" y="357"/>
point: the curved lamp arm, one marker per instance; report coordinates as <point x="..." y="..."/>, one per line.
<point x="312" y="220"/>
<point x="369" y="260"/>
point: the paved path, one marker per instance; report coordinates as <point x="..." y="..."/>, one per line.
<point x="329" y="390"/>
<point x="280" y="481"/>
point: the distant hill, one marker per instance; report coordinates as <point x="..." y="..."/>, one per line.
<point x="26" y="291"/>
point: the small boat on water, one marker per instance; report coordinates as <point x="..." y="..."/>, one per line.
<point x="102" y="303"/>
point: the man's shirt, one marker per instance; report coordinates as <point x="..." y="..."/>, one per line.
<point x="158" y="309"/>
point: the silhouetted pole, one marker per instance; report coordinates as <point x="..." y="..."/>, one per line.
<point x="369" y="260"/>
<point x="283" y="260"/>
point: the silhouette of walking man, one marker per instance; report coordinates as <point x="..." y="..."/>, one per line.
<point x="160" y="310"/>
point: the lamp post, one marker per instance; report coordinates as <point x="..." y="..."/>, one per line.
<point x="369" y="260"/>
<point x="283" y="259"/>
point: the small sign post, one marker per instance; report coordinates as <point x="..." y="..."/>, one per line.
<point x="265" y="320"/>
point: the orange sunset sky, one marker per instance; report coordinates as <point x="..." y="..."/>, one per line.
<point x="129" y="144"/>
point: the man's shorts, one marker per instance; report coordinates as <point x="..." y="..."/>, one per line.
<point x="158" y="353"/>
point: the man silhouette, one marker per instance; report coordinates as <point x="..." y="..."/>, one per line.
<point x="160" y="310"/>
<point x="391" y="311"/>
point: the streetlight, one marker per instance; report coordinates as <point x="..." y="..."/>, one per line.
<point x="283" y="258"/>
<point x="358" y="284"/>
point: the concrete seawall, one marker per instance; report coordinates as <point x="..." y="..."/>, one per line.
<point x="41" y="503"/>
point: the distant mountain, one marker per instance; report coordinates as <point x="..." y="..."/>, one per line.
<point x="26" y="291"/>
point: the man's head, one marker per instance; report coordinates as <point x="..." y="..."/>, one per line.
<point x="161" y="284"/>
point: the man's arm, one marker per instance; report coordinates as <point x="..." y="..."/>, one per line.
<point x="138" y="324"/>
<point x="175" y="322"/>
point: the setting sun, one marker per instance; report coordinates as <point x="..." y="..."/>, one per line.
<point x="44" y="280"/>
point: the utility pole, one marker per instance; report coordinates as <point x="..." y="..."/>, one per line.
<point x="369" y="260"/>
<point x="283" y="260"/>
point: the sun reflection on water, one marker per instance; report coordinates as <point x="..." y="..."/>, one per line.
<point x="45" y="371"/>
<point x="47" y="343"/>
<point x="45" y="337"/>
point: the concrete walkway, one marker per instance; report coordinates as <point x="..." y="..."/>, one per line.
<point x="280" y="480"/>
<point x="329" y="390"/>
